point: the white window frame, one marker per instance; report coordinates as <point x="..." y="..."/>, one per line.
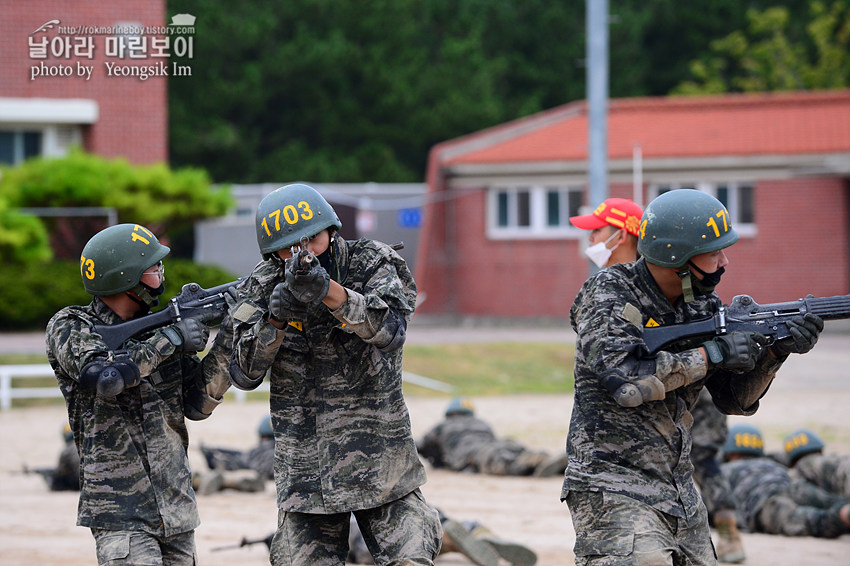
<point x="538" y="227"/>
<point x="744" y="229"/>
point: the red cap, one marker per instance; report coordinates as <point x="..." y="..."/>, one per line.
<point x="617" y="212"/>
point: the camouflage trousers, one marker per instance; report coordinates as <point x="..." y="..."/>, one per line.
<point x="805" y="510"/>
<point x="507" y="458"/>
<point x="615" y="530"/>
<point x="404" y="532"/>
<point x="128" y="548"/>
<point x="713" y="486"/>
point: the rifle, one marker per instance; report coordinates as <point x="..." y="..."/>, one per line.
<point x="743" y="313"/>
<point x="46" y="473"/>
<point x="302" y="259"/>
<point x="207" y="305"/>
<point x="246" y="542"/>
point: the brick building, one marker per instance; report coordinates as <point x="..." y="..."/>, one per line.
<point x="496" y="238"/>
<point x="68" y="75"/>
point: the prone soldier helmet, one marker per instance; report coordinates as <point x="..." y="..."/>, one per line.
<point x="799" y="443"/>
<point x="460" y="406"/>
<point x="265" y="428"/>
<point x="682" y="223"/>
<point x="744" y="439"/>
<point x="67" y="433"/>
<point x="290" y="213"/>
<point x="115" y="258"/>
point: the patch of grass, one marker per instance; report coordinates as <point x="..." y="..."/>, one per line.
<point x="497" y="368"/>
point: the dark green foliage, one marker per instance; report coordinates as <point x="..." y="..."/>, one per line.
<point x="32" y="294"/>
<point x="343" y="91"/>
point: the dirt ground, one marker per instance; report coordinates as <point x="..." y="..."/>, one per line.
<point x="37" y="526"/>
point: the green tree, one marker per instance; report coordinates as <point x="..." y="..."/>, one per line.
<point x="768" y="56"/>
<point x="23" y="239"/>
<point x="162" y="199"/>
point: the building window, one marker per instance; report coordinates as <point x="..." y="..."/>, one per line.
<point x="533" y="212"/>
<point x="738" y="198"/>
<point x="17" y="146"/>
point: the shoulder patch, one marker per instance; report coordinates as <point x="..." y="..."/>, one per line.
<point x="651" y="323"/>
<point x="244" y="312"/>
<point x="632" y="314"/>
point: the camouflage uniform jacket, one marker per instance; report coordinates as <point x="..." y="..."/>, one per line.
<point x="828" y="471"/>
<point x="454" y="442"/>
<point x="343" y="440"/>
<point x="643" y="451"/>
<point x="754" y="481"/>
<point x="134" y="470"/>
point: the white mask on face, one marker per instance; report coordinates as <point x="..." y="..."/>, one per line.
<point x="599" y="253"/>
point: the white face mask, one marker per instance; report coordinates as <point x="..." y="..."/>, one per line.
<point x="599" y="253"/>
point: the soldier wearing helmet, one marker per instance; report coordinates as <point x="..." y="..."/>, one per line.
<point x="804" y="451"/>
<point x="630" y="429"/>
<point x="772" y="500"/>
<point x="136" y="397"/>
<point x="329" y="337"/>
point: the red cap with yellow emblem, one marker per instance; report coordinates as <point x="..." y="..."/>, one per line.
<point x="617" y="212"/>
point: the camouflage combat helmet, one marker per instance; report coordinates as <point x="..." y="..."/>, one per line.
<point x="682" y="223"/>
<point x="290" y="213"/>
<point x="460" y="406"/>
<point x="744" y="439"/>
<point x="114" y="259"/>
<point x="799" y="443"/>
<point x="265" y="428"/>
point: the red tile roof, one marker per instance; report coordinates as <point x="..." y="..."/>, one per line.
<point x="802" y="122"/>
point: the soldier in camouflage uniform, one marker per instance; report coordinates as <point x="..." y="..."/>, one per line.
<point x="770" y="500"/>
<point x="629" y="483"/>
<point x="465" y="443"/>
<point x="235" y="469"/>
<point x="804" y="454"/>
<point x="330" y="339"/>
<point x="126" y="408"/>
<point x="66" y="475"/>
<point x="708" y="435"/>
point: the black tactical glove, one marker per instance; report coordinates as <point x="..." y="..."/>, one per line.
<point x="283" y="306"/>
<point x="804" y="335"/>
<point x="188" y="335"/>
<point x="738" y="351"/>
<point x="310" y="287"/>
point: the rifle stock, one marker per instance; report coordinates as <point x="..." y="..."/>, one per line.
<point x="743" y="313"/>
<point x="193" y="301"/>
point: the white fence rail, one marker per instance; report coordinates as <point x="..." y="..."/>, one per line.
<point x="8" y="393"/>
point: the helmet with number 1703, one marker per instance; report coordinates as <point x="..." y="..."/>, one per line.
<point x="682" y="223"/>
<point x="290" y="213"/>
<point x="115" y="258"/>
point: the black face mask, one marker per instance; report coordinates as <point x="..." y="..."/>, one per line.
<point x="709" y="280"/>
<point x="148" y="297"/>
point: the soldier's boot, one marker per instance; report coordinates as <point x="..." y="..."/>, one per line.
<point x="206" y="483"/>
<point x="458" y="539"/>
<point x="730" y="547"/>
<point x="527" y="462"/>
<point x="553" y="466"/>
<point x="243" y="480"/>
<point x="513" y="552"/>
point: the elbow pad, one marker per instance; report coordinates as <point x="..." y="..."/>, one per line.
<point x="110" y="378"/>
<point x="198" y="405"/>
<point x="395" y="327"/>
<point x="240" y="379"/>
<point x="628" y="393"/>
